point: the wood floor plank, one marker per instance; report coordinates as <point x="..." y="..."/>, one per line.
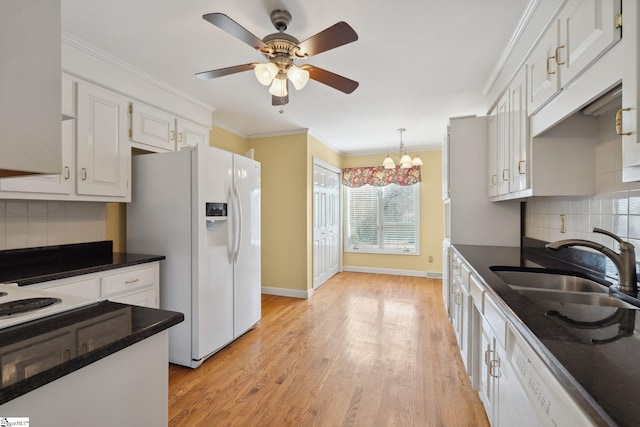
<point x="365" y="350"/>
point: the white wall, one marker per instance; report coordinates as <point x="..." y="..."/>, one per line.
<point x="615" y="207"/>
<point x="32" y="223"/>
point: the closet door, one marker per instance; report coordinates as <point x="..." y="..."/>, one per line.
<point x="326" y="224"/>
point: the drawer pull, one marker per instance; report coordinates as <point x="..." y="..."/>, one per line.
<point x="558" y="62"/>
<point x="131" y="282"/>
<point x="549" y="72"/>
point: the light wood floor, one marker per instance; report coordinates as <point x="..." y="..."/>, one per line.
<point x="365" y="350"/>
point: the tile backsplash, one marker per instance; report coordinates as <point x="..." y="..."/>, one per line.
<point x="32" y="223"/>
<point x="615" y="206"/>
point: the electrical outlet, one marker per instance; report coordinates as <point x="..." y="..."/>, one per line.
<point x="563" y="223"/>
<point x="430" y="258"/>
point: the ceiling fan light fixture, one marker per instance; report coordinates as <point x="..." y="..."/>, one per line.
<point x="298" y="76"/>
<point x="417" y="161"/>
<point x="265" y="73"/>
<point x="279" y="87"/>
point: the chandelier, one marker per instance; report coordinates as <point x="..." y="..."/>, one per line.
<point x="402" y="157"/>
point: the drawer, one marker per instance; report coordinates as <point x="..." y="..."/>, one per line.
<point x="87" y="288"/>
<point x="465" y="272"/>
<point x="476" y="289"/>
<point x="127" y="281"/>
<point x="496" y="319"/>
<point x="145" y="298"/>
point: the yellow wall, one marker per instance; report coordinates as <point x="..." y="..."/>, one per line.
<point x="431" y="220"/>
<point x="116" y="222"/>
<point x="226" y="140"/>
<point x="284" y="195"/>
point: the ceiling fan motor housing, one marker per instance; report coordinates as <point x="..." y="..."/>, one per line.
<point x="280" y="19"/>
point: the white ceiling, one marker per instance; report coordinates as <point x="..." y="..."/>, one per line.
<point x="418" y="62"/>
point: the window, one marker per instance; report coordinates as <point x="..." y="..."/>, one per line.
<point x="383" y="219"/>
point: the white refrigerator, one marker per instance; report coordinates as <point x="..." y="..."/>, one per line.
<point x="200" y="207"/>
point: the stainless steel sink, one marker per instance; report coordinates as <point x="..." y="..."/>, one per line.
<point x="582" y="298"/>
<point x="519" y="279"/>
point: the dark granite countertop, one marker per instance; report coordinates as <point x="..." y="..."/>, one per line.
<point x="72" y="340"/>
<point x="42" y="264"/>
<point x="599" y="365"/>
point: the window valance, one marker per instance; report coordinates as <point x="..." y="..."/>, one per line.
<point x="378" y="176"/>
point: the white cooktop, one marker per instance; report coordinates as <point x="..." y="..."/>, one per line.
<point x="11" y="293"/>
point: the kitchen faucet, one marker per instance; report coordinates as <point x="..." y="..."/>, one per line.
<point x="625" y="261"/>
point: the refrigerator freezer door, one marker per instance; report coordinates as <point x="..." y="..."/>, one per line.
<point x="213" y="288"/>
<point x="247" y="268"/>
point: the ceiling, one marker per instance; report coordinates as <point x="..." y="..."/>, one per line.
<point x="418" y="62"/>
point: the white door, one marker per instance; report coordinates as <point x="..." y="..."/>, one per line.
<point x="247" y="303"/>
<point x="103" y="149"/>
<point x="152" y="127"/>
<point x="190" y="134"/>
<point x="326" y="224"/>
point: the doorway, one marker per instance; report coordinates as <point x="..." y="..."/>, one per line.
<point x="327" y="246"/>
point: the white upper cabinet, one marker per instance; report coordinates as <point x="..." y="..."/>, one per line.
<point x="190" y="134"/>
<point x="543" y="72"/>
<point x="503" y="144"/>
<point x="588" y="28"/>
<point x="518" y="131"/>
<point x="628" y="117"/>
<point x="103" y="150"/>
<point x="153" y="129"/>
<point x="492" y="162"/>
<point x="30" y="70"/>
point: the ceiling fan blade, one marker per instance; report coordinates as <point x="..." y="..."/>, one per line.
<point x="227" y="24"/>
<point x="206" y="75"/>
<point x="336" y="81"/>
<point x="334" y="36"/>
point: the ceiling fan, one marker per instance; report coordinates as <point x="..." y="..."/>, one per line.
<point x="281" y="51"/>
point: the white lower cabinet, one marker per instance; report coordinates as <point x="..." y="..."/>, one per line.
<point x="515" y="386"/>
<point x="135" y="285"/>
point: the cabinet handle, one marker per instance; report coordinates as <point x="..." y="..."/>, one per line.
<point x="179" y="136"/>
<point x="487" y="356"/>
<point x="67" y="172"/>
<point x="558" y="55"/>
<point x="493" y="367"/>
<point x="84" y="174"/>
<point x="172" y="135"/>
<point x="549" y="60"/>
<point x="131" y="282"/>
<point x="494" y="179"/>
<point x="520" y="169"/>
<point x="503" y="177"/>
<point x="619" y="121"/>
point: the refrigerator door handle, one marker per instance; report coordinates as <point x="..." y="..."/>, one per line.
<point x="231" y="240"/>
<point x="238" y="236"/>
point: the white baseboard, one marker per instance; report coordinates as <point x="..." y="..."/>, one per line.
<point x="283" y="292"/>
<point x="394" y="272"/>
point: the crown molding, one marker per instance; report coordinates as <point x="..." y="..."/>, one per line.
<point x="515" y="36"/>
<point x="102" y="55"/>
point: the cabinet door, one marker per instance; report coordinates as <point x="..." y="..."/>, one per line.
<point x="629" y="115"/>
<point x="61" y="183"/>
<point x="152" y="127"/>
<point x="190" y="134"/>
<point x="103" y="150"/>
<point x="543" y="72"/>
<point x="518" y="131"/>
<point x="493" y="155"/>
<point x="587" y="30"/>
<point x="485" y="357"/>
<point x="503" y="144"/>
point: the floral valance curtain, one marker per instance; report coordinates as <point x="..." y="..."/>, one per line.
<point x="378" y="176"/>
